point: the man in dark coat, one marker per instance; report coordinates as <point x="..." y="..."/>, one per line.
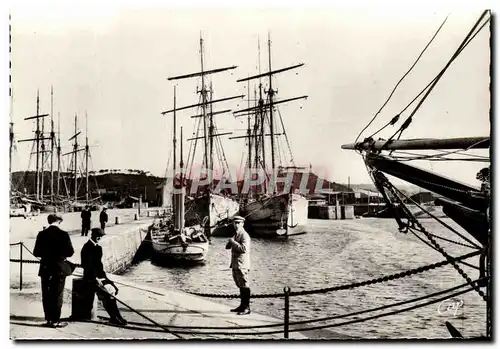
<point x="86" y="215"/>
<point x="53" y="246"/>
<point x="239" y="245"/>
<point x="93" y="273"/>
<point x="103" y="218"/>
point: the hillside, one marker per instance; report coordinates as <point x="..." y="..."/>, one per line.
<point x="114" y="186"/>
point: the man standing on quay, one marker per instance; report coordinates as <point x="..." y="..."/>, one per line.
<point x="240" y="263"/>
<point x="53" y="246"/>
<point x="86" y="216"/>
<point x="103" y="218"/>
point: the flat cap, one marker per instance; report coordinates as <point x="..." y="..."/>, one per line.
<point x="54" y="217"/>
<point x="238" y="219"/>
<point x="97" y="232"/>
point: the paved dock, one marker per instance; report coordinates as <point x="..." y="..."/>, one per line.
<point x="171" y="308"/>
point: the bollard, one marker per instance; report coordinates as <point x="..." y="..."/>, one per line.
<point x="139" y="206"/>
<point x="287" y="309"/>
<point x="21" y="266"/>
<point x="135" y="216"/>
<point x="117" y="220"/>
<point x="83" y="300"/>
<point x="147" y="213"/>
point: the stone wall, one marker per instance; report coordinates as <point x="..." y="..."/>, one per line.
<point x="120" y="248"/>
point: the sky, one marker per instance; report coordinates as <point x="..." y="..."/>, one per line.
<point x="112" y="64"/>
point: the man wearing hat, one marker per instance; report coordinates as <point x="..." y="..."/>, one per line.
<point x="93" y="273"/>
<point x="103" y="218"/>
<point x="53" y="246"/>
<point x="86" y="216"/>
<point x="240" y="263"/>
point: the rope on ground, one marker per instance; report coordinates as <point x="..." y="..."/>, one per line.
<point x="331" y="325"/>
<point x="353" y="285"/>
<point x="140" y="314"/>
<point x="330" y="317"/>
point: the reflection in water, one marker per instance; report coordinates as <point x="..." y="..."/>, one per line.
<point x="335" y="253"/>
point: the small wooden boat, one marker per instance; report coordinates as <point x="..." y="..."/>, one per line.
<point x="190" y="245"/>
<point x="171" y="239"/>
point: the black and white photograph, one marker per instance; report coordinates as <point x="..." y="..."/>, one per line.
<point x="249" y="173"/>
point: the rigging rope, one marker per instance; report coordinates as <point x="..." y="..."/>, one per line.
<point x="286" y="138"/>
<point x="399" y="82"/>
<point x="470" y="36"/>
<point x="383" y="181"/>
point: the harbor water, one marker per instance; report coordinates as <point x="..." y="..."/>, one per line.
<point x="335" y="253"/>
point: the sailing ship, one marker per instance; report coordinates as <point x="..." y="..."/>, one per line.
<point x="206" y="207"/>
<point x="467" y="205"/>
<point x="75" y="202"/>
<point x="270" y="209"/>
<point x="174" y="240"/>
<point x="23" y="202"/>
<point x="50" y="199"/>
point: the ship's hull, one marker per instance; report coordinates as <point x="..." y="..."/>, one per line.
<point x="277" y="215"/>
<point x="193" y="252"/>
<point x="21" y="210"/>
<point x="217" y="207"/>
<point x="191" y="246"/>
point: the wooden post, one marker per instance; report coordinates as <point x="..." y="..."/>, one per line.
<point x="21" y="266"/>
<point x="287" y="310"/>
<point x="83" y="300"/>
<point x="139" y="208"/>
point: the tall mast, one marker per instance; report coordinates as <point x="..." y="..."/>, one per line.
<point x="58" y="153"/>
<point x="271" y="120"/>
<point x="37" y="139"/>
<point x="256" y="131"/>
<point x="11" y="137"/>
<point x="260" y="114"/>
<point x="249" y="133"/>
<point x="181" y="196"/>
<point x="86" y="158"/>
<point x="261" y="107"/>
<point x="204" y="111"/>
<point x="51" y="144"/>
<point x="11" y="97"/>
<point x="204" y="103"/>
<point x="42" y="174"/>
<point x="175" y="132"/>
<point x="211" y="134"/>
<point x="75" y="165"/>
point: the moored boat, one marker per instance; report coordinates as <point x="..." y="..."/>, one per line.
<point x="275" y="211"/>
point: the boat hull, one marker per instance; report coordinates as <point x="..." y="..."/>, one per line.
<point x="269" y="215"/>
<point x="217" y="207"/>
<point x="193" y="252"/>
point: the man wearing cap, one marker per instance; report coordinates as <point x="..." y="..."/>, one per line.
<point x="53" y="246"/>
<point x="103" y="218"/>
<point x="240" y="263"/>
<point x="86" y="216"/>
<point x="93" y="273"/>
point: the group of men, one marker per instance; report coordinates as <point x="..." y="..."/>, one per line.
<point x="53" y="246"/>
<point x="86" y="217"/>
